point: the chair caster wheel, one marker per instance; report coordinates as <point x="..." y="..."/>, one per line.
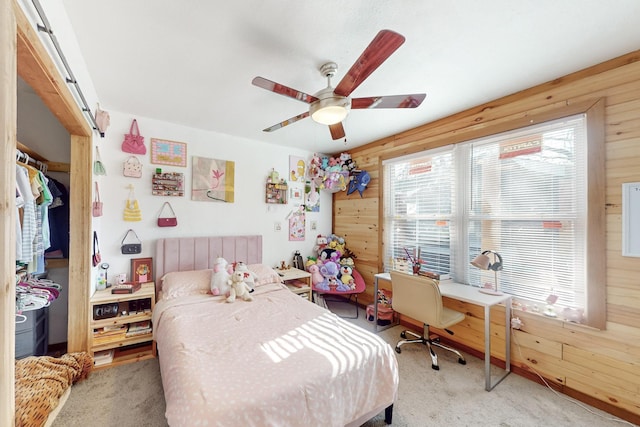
<point x="462" y="361"/>
<point x="435" y="367"/>
<point x="398" y="350"/>
<point x="403" y="335"/>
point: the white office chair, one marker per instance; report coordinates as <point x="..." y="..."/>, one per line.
<point x="419" y="298"/>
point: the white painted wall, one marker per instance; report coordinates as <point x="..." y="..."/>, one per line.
<point x="249" y="214"/>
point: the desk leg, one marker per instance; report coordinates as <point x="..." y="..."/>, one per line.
<point x="487" y="345"/>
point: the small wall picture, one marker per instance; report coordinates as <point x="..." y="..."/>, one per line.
<point x="142" y="270"/>
<point x="297" y="227"/>
<point x="170" y="153"/>
<point x="296" y="169"/>
<point x="295" y="194"/>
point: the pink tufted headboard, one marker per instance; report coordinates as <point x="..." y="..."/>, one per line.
<point x="199" y="253"/>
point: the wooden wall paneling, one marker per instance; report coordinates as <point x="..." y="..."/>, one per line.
<point x="8" y="129"/>
<point x="539" y="363"/>
<point x="543" y="345"/>
<point x="605" y="392"/>
<point x="625" y="376"/>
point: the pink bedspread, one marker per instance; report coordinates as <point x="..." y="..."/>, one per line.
<point x="275" y="361"/>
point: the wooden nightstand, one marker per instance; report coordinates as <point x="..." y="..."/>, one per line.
<point x="118" y="334"/>
<point x="298" y="281"/>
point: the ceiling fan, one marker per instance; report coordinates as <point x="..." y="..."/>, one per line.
<point x="331" y="105"/>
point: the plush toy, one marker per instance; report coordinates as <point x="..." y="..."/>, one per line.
<point x="314" y="171"/>
<point x="329" y="271"/>
<point x="346" y="276"/>
<point x="220" y="276"/>
<point x="311" y="260"/>
<point x="326" y="254"/>
<point x="321" y="243"/>
<point x="239" y="289"/>
<point x="249" y="277"/>
<point x="325" y="162"/>
<point x="316" y="277"/>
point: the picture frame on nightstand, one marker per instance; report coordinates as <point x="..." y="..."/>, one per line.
<point x="142" y="270"/>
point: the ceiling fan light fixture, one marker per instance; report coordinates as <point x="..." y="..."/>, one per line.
<point x="331" y="110"/>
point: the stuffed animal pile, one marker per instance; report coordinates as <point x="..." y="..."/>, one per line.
<point x="232" y="280"/>
<point x="332" y="268"/>
<point x="331" y="173"/>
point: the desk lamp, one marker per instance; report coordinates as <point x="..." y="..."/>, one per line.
<point x="483" y="262"/>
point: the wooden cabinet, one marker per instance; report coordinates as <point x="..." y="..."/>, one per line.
<point x="298" y="281"/>
<point x="128" y="336"/>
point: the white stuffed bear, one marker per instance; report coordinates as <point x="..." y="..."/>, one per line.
<point x="249" y="276"/>
<point x="239" y="289"/>
<point x="220" y="277"/>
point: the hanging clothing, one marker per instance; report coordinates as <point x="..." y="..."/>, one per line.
<point x="28" y="226"/>
<point x="58" y="221"/>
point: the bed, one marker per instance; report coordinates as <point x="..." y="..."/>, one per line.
<point x="278" y="360"/>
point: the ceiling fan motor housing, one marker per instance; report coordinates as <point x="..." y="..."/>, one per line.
<point x="330" y="108"/>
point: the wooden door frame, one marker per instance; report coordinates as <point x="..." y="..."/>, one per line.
<point x="22" y="53"/>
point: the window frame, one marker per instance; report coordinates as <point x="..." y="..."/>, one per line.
<point x="594" y="110"/>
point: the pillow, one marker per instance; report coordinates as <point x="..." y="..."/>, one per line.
<point x="264" y="274"/>
<point x="182" y="283"/>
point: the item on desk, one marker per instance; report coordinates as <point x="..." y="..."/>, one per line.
<point x="126" y="288"/>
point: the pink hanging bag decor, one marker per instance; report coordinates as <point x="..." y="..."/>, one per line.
<point x="167" y="221"/>
<point x="134" y="142"/>
<point x="97" y="204"/>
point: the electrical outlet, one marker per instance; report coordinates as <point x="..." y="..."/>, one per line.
<point x="277" y="226"/>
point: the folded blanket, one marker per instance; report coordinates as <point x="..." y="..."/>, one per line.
<point x="41" y="380"/>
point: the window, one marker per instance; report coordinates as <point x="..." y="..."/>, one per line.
<point x="523" y="193"/>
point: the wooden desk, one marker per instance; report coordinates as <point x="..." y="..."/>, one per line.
<point x="472" y="295"/>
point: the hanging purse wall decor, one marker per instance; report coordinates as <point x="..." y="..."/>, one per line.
<point x="131" y="248"/>
<point x="97" y="204"/>
<point x="98" y="166"/>
<point x="132" y="167"/>
<point x="96" y="257"/>
<point x="132" y="209"/>
<point x="164" y="221"/>
<point x="134" y="142"/>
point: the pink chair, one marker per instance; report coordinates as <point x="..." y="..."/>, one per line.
<point x="345" y="296"/>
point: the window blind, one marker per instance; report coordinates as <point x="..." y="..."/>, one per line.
<point x="418" y="205"/>
<point x="528" y="202"/>
<point x="520" y="193"/>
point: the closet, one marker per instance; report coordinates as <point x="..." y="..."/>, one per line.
<point x="42" y="286"/>
<point x="23" y="54"/>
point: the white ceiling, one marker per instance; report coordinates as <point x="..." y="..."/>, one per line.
<point x="192" y="62"/>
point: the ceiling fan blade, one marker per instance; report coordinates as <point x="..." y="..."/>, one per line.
<point x="287" y="122"/>
<point x="337" y="131"/>
<point x="381" y="47"/>
<point x="283" y="90"/>
<point x="393" y="101"/>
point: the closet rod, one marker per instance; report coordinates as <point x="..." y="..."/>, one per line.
<point x="51" y="166"/>
<point x="71" y="79"/>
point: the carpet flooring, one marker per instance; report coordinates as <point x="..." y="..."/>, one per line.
<point x="131" y="395"/>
